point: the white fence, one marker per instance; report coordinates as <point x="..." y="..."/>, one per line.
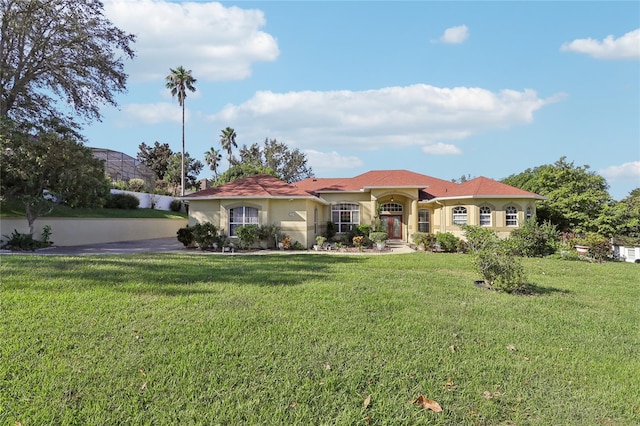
<point x="159" y="202"/>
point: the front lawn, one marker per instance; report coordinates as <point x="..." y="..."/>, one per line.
<point x="309" y="339"/>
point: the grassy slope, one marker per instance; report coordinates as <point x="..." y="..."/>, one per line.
<point x="304" y="339"/>
<point x="13" y="209"/>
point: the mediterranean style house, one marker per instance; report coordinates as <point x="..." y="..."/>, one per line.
<point x="405" y="202"/>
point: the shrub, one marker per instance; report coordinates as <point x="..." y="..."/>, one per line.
<point x="378" y="237"/>
<point x="136" y="185"/>
<point x="122" y="201"/>
<point x="499" y="269"/>
<point x="23" y="242"/>
<point x="479" y="238"/>
<point x="119" y="184"/>
<point x="248" y="235"/>
<point x="424" y="239"/>
<point x="358" y="241"/>
<point x="599" y="247"/>
<point x="175" y="206"/>
<point x="185" y="236"/>
<point x="205" y="235"/>
<point x="447" y="241"/>
<point x="331" y="230"/>
<point x="364" y="230"/>
<point x="269" y="233"/>
<point x="534" y="239"/>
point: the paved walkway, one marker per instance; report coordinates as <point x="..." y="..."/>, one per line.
<point x="166" y="245"/>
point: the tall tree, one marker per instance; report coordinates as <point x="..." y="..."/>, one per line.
<point x="290" y="165"/>
<point x="155" y="157"/>
<point x="179" y="81"/>
<point x="59" y="55"/>
<point x="52" y="163"/>
<point x="240" y="171"/>
<point x="575" y="195"/>
<point x="228" y="142"/>
<point x="192" y="168"/>
<point x="213" y="157"/>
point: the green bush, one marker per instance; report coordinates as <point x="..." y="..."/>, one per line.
<point x="447" y="241"/>
<point x="330" y="231"/>
<point x="248" y="235"/>
<point x="378" y="237"/>
<point x="269" y="233"/>
<point x="23" y="242"/>
<point x="205" y="235"/>
<point x="176" y="205"/>
<point x="122" y="201"/>
<point x="185" y="236"/>
<point x="479" y="237"/>
<point x="534" y="239"/>
<point x="137" y="185"/>
<point x="120" y="184"/>
<point x="600" y="248"/>
<point x="499" y="269"/>
<point x="424" y="239"/>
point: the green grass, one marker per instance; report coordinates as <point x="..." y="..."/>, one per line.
<point x="15" y="209"/>
<point x="305" y="339"/>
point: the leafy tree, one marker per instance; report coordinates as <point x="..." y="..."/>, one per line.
<point x="58" y="55"/>
<point x="242" y="171"/>
<point x="290" y="165"/>
<point x="228" y="142"/>
<point x="177" y="174"/>
<point x="576" y="196"/>
<point x="156" y="157"/>
<point x="213" y="158"/>
<point x="179" y="81"/>
<point x="53" y="164"/>
<point x="621" y="219"/>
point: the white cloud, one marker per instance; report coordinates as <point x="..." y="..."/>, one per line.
<point x="214" y="41"/>
<point x="455" y="35"/>
<point x="328" y="161"/>
<point x="625" y="47"/>
<point x="624" y="171"/>
<point x="133" y="114"/>
<point x="417" y="115"/>
<point x="441" y="149"/>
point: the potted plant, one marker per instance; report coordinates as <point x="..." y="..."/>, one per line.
<point x="320" y="240"/>
<point x="379" y="238"/>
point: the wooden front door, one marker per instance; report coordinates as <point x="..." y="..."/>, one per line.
<point x="394" y="226"/>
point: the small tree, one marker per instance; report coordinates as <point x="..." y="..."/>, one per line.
<point x="205" y="235"/>
<point x="499" y="269"/>
<point x="248" y="235"/>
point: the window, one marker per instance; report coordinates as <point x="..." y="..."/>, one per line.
<point x="424" y="224"/>
<point x="512" y="216"/>
<point x="240" y="216"/>
<point x="485" y="216"/>
<point x="529" y="213"/>
<point x="391" y="207"/>
<point x="346" y="216"/>
<point x="315" y="221"/>
<point x="459" y="215"/>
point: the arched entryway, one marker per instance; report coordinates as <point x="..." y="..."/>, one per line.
<point x="391" y="219"/>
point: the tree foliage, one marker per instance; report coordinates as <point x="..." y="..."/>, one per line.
<point x="192" y="168"/>
<point x="56" y="55"/>
<point x="241" y="171"/>
<point x="228" y="142"/>
<point x="290" y="165"/>
<point x="576" y="196"/>
<point x="51" y="162"/>
<point x="156" y="157"/>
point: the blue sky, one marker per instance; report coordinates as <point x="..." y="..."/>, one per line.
<point x="441" y="88"/>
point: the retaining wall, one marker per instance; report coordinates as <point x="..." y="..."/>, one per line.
<point x="80" y="231"/>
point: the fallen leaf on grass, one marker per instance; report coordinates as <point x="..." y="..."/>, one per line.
<point x="511" y="347"/>
<point x="427" y="404"/>
<point x="367" y="401"/>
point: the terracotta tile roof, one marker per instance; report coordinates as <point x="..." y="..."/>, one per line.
<point x="485" y="187"/>
<point x="259" y="186"/>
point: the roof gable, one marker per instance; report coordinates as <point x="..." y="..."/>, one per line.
<point x="258" y="186"/>
<point x="485" y="187"/>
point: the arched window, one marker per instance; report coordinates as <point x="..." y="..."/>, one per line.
<point x="391" y="207"/>
<point x="485" y="216"/>
<point x="240" y="216"/>
<point x="346" y="216"/>
<point x="459" y="215"/>
<point x="512" y="216"/>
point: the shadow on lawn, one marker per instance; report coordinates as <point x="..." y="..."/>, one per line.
<point x="169" y="274"/>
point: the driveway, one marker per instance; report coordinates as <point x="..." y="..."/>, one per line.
<point x="158" y="245"/>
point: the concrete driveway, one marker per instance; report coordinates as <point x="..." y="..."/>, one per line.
<point x="158" y="245"/>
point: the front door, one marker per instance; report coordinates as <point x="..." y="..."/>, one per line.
<point x="394" y="226"/>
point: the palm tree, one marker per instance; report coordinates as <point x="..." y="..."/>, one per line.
<point x="213" y="158"/>
<point x="179" y="81"/>
<point x="228" y="141"/>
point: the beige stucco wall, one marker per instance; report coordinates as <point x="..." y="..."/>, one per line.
<point x="293" y="216"/>
<point x="80" y="231"/>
